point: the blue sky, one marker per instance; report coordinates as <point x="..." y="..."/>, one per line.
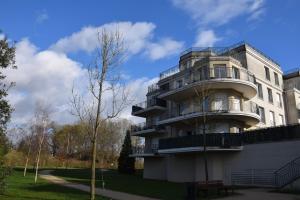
<point x="160" y="26"/>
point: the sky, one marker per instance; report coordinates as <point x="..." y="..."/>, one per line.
<point x="55" y="41"/>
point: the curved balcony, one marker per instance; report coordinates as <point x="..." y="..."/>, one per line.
<point x="142" y="129"/>
<point x="143" y="151"/>
<point x="149" y="107"/>
<point x="233" y="78"/>
<point x="247" y="113"/>
<point x="195" y="143"/>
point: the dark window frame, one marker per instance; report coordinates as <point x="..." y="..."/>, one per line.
<point x="276" y="78"/>
<point x="270" y="95"/>
<point x="267" y="73"/>
<point x="260" y="91"/>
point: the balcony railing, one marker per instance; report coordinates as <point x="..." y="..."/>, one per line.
<point x="222" y="140"/>
<point x="149" y="103"/>
<point x="141" y="127"/>
<point x="153" y="88"/>
<point x="142" y="149"/>
<point x="225" y="107"/>
<point x="169" y="72"/>
<point x="211" y="74"/>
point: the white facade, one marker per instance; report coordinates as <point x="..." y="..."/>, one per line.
<point x="227" y="91"/>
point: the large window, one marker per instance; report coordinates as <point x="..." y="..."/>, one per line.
<point x="179" y="83"/>
<point x="220" y="102"/>
<point x="235" y="73"/>
<point x="203" y="73"/>
<point x="260" y="91"/>
<point x="281" y="120"/>
<point x="272" y="118"/>
<point x="267" y="72"/>
<point x="276" y="78"/>
<point x="270" y="95"/>
<point x="278" y="100"/>
<point x="220" y="71"/>
<point x="261" y="111"/>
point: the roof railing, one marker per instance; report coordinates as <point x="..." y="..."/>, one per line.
<point x="169" y="72"/>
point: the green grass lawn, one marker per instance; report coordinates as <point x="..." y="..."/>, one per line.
<point x="134" y="184"/>
<point x="24" y="188"/>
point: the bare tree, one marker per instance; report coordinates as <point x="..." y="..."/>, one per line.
<point x="103" y="78"/>
<point x="29" y="149"/>
<point x="42" y="122"/>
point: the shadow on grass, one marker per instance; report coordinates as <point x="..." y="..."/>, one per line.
<point x="54" y="188"/>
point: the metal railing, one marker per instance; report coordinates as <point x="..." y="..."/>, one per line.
<point x="149" y="103"/>
<point x="222" y="140"/>
<point x="211" y="74"/>
<point x="253" y="177"/>
<point x="227" y="50"/>
<point x="226" y="107"/>
<point x="153" y="88"/>
<point x="141" y="126"/>
<point x="169" y="72"/>
<point x="272" y="134"/>
<point x="142" y="149"/>
<point x="288" y="173"/>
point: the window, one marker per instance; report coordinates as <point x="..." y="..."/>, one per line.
<point x="236" y="105"/>
<point x="276" y="78"/>
<point x="267" y="71"/>
<point x="278" y="100"/>
<point x="261" y="111"/>
<point x="272" y="118"/>
<point x="281" y="120"/>
<point x="260" y="91"/>
<point x="220" y="103"/>
<point x="205" y="104"/>
<point x="220" y="71"/>
<point x="203" y="73"/>
<point x="235" y="73"/>
<point x="178" y="83"/>
<point x="270" y="95"/>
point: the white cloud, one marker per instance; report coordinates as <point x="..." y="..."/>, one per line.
<point x="48" y="76"/>
<point x="218" y="12"/>
<point x="206" y="38"/>
<point x="138" y="89"/>
<point x="42" y="76"/>
<point x="42" y="16"/>
<point x="164" y="48"/>
<point x="136" y="36"/>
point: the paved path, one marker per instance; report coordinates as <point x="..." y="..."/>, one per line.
<point x="261" y="194"/>
<point x="45" y="174"/>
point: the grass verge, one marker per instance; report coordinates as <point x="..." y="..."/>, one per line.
<point x="24" y="188"/>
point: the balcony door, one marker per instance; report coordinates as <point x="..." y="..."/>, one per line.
<point x="220" y="71"/>
<point x="220" y="102"/>
<point x="235" y="73"/>
<point x="236" y="105"/>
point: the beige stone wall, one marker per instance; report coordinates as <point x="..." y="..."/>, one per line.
<point x="256" y="65"/>
<point x="292" y="104"/>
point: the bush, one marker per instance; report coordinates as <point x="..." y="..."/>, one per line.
<point x="4" y="172"/>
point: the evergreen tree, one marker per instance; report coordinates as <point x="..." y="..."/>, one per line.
<point x="126" y="163"/>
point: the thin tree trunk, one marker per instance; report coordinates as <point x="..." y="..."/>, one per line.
<point x="93" y="169"/>
<point x="38" y="156"/>
<point x="27" y="159"/>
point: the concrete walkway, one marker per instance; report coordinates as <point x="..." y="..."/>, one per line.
<point x="45" y="174"/>
<point x="261" y="194"/>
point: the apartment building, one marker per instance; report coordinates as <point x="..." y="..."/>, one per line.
<point x="216" y="90"/>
